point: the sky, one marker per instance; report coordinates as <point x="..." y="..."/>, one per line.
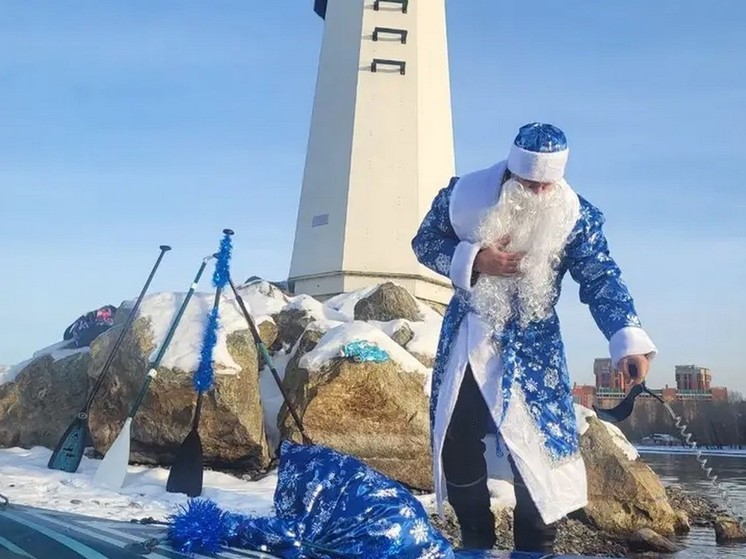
<point x="126" y="125"/>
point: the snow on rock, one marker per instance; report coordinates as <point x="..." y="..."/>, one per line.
<point x="315" y="309"/>
<point x="331" y="344"/>
<point x="26" y="480"/>
<point x="345" y="302"/>
<point x="262" y="299"/>
<point x="581" y="417"/>
<point x="57" y="351"/>
<point x="184" y="350"/>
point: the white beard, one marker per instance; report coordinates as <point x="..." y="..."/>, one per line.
<point x="538" y="224"/>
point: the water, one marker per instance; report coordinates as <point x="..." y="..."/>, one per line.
<point x="684" y="470"/>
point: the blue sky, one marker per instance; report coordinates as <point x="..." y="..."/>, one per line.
<point x="124" y="125"/>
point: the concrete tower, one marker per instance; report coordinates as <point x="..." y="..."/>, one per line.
<point x="380" y="147"/>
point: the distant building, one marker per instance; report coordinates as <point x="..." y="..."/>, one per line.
<point x="585" y="395"/>
<point x="693" y="378"/>
<point x="609" y="381"/>
<point x="692" y="383"/>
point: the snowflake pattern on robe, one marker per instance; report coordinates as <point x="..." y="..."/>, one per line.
<point x="340" y="508"/>
<point x="533" y="357"/>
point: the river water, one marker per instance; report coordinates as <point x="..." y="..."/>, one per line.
<point x="684" y="470"/>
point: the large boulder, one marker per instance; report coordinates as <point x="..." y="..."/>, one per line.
<point x="293" y="319"/>
<point x="376" y="411"/>
<point x="624" y="494"/>
<point x="388" y="302"/>
<point x="45" y="396"/>
<point x="231" y="426"/>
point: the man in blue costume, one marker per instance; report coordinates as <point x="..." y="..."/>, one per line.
<point x="505" y="236"/>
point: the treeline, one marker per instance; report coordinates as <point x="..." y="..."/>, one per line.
<point x="712" y="424"/>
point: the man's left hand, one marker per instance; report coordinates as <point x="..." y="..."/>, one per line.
<point x="640" y="362"/>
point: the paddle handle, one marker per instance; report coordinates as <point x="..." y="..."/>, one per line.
<point x="130" y="318"/>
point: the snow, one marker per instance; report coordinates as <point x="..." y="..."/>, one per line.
<point x="26" y="480"/>
<point x="331" y="344"/>
<point x="345" y="302"/>
<point x="315" y="309"/>
<point x="184" y="350"/>
<point x="262" y="299"/>
<point x="272" y="397"/>
<point x="581" y="416"/>
<point x="57" y="351"/>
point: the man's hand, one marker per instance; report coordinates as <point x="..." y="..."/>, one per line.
<point x="494" y="261"/>
<point x="641" y="365"/>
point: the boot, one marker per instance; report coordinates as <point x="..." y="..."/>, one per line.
<point x="471" y="503"/>
<point x="529" y="531"/>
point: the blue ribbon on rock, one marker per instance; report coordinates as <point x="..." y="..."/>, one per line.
<point x="362" y="350"/>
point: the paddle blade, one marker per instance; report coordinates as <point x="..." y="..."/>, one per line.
<point x="186" y="472"/>
<point x="113" y="468"/>
<point x="69" y="450"/>
<point x="623" y="410"/>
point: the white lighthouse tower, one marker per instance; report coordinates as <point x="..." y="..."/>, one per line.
<point x="380" y="147"/>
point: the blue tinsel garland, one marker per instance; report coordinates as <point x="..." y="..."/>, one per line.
<point x="203" y="377"/>
<point x="222" y="266"/>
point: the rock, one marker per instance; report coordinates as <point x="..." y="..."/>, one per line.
<point x="37" y="407"/>
<point x="698" y="510"/>
<point x="231" y="424"/>
<point x="728" y="530"/>
<point x="624" y="495"/>
<point x="291" y="323"/>
<point x="268" y="331"/>
<point x="682" y="525"/>
<point x="577" y="538"/>
<point x="388" y="302"/>
<point x="377" y="412"/>
<point x="403" y="335"/>
<point x="573" y="537"/>
<point x="646" y="539"/>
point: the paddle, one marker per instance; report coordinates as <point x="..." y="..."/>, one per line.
<point x="624" y="409"/>
<point x="113" y="469"/>
<point x="268" y="360"/>
<point x="187" y="469"/>
<point x="69" y="450"/>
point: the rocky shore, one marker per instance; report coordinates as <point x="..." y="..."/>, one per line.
<point x="375" y="409"/>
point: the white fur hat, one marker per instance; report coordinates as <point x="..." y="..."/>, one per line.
<point x="539" y="153"/>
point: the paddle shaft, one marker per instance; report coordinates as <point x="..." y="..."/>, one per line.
<point x="268" y="359"/>
<point x="169" y="336"/>
<point x="107" y="365"/>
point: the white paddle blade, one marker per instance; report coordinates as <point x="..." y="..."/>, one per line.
<point x="113" y="468"/>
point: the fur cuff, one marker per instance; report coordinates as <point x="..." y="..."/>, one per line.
<point x="630" y="340"/>
<point x="462" y="264"/>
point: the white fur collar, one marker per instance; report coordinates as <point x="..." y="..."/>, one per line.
<point x="474" y="195"/>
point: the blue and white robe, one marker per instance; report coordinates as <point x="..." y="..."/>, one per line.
<point x="525" y="382"/>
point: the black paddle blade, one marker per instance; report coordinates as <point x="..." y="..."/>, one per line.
<point x="623" y="410"/>
<point x="186" y="472"/>
<point x="69" y="450"/>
